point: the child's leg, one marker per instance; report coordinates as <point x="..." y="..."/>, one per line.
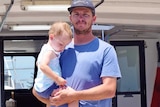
<point x="74" y="104"/>
<point x="47" y="105"/>
<point x="43" y="100"/>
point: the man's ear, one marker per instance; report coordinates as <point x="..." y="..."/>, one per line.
<point x="70" y="19"/>
<point x="94" y="19"/>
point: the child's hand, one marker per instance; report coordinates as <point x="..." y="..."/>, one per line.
<point x="60" y="81"/>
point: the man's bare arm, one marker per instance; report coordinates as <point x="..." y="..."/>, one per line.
<point x="106" y="90"/>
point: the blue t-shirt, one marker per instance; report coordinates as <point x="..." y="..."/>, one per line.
<point x="84" y="65"/>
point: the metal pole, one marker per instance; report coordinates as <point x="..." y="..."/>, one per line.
<point x="99" y="3"/>
<point x="6" y="13"/>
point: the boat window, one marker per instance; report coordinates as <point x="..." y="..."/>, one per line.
<point x="129" y="64"/>
<point x="19" y="72"/>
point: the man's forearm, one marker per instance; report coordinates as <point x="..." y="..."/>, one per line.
<point x="105" y="90"/>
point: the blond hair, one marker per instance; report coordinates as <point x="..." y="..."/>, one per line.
<point x="58" y="28"/>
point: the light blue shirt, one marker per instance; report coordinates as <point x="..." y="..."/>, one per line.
<point x="42" y="81"/>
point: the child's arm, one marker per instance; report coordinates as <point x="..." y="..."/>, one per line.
<point x="44" y="66"/>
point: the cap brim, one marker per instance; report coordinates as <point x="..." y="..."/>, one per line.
<point x="71" y="8"/>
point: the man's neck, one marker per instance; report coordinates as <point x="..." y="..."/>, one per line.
<point x="83" y="39"/>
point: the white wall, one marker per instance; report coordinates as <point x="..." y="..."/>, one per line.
<point x="151" y="67"/>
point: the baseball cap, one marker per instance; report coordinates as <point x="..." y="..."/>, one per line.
<point x="82" y="3"/>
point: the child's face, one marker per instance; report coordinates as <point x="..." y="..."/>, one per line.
<point x="59" y="42"/>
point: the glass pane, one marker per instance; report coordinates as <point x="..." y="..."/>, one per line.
<point x="23" y="46"/>
<point x="128" y="57"/>
<point x="19" y="72"/>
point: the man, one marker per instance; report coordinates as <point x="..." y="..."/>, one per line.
<point x="89" y="64"/>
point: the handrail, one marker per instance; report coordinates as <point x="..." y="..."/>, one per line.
<point x="6" y="13"/>
<point x="99" y="3"/>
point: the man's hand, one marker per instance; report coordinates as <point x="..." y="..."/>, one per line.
<point x="62" y="96"/>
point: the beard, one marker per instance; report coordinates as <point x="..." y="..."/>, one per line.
<point x="85" y="31"/>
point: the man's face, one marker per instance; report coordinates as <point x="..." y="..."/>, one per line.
<point x="82" y="20"/>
